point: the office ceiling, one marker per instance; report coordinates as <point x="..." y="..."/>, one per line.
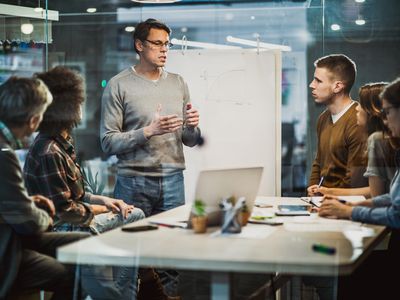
<point x="381" y="22"/>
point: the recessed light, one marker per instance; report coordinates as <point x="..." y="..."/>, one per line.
<point x="27" y="28"/>
<point x="253" y="17"/>
<point x="184" y="29"/>
<point x="360" y="22"/>
<point x="335" y="27"/>
<point x="229" y="16"/>
<point x="360" y="1"/>
<point x="129" y="29"/>
<point x="91" y="10"/>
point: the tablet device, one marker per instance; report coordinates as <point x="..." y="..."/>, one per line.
<point x="293" y="210"/>
<point x="137" y="228"/>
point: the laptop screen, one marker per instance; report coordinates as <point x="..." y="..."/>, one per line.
<point x="214" y="185"/>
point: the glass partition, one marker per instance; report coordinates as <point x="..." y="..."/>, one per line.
<point x="95" y="38"/>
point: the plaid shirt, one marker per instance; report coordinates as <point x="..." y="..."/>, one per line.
<point x="51" y="170"/>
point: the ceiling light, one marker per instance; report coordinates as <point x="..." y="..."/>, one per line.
<point x="360" y="21"/>
<point x="38" y="9"/>
<point x="27" y="28"/>
<point x="360" y="1"/>
<point x="335" y="27"/>
<point x="91" y="10"/>
<point x="184" y="29"/>
<point x="155" y="1"/>
<point x="253" y="17"/>
<point x="129" y="29"/>
<point x="229" y="16"/>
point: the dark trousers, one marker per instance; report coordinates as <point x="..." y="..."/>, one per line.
<point x="40" y="270"/>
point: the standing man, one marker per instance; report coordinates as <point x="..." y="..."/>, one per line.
<point x="146" y="119"/>
<point x="340" y="159"/>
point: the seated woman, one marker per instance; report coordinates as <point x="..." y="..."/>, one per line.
<point x="380" y="149"/>
<point x="51" y="168"/>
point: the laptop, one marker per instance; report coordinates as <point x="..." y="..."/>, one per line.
<point x="214" y="185"/>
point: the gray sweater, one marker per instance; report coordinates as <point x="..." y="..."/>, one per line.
<point x="128" y="105"/>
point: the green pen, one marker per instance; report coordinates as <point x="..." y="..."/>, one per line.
<point x="324" y="249"/>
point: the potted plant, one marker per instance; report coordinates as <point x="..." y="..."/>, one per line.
<point x="199" y="219"/>
<point x="244" y="215"/>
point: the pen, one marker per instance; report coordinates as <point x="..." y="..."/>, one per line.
<point x="320" y="182"/>
<point x="324" y="249"/>
<point x="168" y="225"/>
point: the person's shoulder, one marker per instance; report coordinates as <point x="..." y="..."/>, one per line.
<point x="44" y="146"/>
<point x="350" y="116"/>
<point x="121" y="76"/>
<point x="352" y="110"/>
<point x="7" y="155"/>
<point x="376" y="136"/>
<point x="173" y="76"/>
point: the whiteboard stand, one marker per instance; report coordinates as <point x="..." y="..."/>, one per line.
<point x="238" y="95"/>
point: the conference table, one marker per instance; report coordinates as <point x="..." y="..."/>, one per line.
<point x="284" y="249"/>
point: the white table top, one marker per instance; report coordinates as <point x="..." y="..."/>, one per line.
<point x="285" y="249"/>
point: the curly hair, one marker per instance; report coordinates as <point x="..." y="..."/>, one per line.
<point x="67" y="88"/>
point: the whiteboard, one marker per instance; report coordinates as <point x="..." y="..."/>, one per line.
<point x="237" y="93"/>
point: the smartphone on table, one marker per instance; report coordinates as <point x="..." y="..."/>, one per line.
<point x="137" y="228"/>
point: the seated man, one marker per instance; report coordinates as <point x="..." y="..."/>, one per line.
<point x="27" y="251"/>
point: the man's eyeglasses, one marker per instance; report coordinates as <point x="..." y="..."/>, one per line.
<point x="159" y="44"/>
<point x="385" y="111"/>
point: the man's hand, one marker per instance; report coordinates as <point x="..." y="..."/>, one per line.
<point x="192" y="116"/>
<point x="162" y="124"/>
<point x="331" y="207"/>
<point x="45" y="204"/>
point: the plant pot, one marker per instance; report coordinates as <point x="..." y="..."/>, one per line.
<point x="199" y="224"/>
<point x="243" y="218"/>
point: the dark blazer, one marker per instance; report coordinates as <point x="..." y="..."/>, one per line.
<point x="18" y="216"/>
